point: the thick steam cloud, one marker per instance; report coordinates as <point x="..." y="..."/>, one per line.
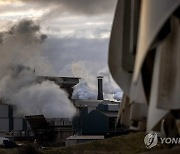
<point x="20" y="50"/>
<point x="22" y="44"/>
<point x="83" y="92"/>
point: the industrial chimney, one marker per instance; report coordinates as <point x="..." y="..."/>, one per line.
<point x="100" y="88"/>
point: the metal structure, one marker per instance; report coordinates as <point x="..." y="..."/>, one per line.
<point x="100" y="88"/>
<point x="41" y="128"/>
<point x="144" y="54"/>
<point x="49" y="130"/>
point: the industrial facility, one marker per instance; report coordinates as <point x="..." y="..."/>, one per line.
<point x="96" y="118"/>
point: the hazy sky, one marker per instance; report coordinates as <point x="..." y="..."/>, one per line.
<point x="78" y="30"/>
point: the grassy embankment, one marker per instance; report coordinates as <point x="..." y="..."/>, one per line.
<point x="125" y="144"/>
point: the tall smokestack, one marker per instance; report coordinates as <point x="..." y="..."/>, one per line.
<point x="100" y="88"/>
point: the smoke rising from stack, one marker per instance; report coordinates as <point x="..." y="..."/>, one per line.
<point x="20" y="50"/>
<point x="85" y="89"/>
<point x="83" y="92"/>
<point x="110" y="88"/>
<point x="88" y="86"/>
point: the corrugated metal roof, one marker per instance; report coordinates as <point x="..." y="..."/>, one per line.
<point x="86" y="137"/>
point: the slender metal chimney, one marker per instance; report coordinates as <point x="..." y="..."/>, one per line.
<point x="100" y="88"/>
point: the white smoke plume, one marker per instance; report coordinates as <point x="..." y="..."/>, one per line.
<point x="118" y="95"/>
<point x="110" y="88"/>
<point x="87" y="88"/>
<point x="83" y="92"/>
<point x="20" y="50"/>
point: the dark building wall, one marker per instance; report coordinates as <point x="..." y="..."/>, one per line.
<point x="6" y="117"/>
<point x="78" y="120"/>
<point x="63" y="133"/>
<point x="11" y="121"/>
<point x="112" y="123"/>
<point x="102" y="107"/>
<point x="95" y="123"/>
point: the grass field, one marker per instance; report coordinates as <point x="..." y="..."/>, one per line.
<point x="126" y="144"/>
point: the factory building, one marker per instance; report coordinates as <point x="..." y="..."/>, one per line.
<point x="18" y="125"/>
<point x="84" y="108"/>
<point x="96" y="117"/>
<point x="46" y="130"/>
<point x="101" y="121"/>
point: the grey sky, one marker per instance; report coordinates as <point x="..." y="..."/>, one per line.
<point x="78" y="30"/>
